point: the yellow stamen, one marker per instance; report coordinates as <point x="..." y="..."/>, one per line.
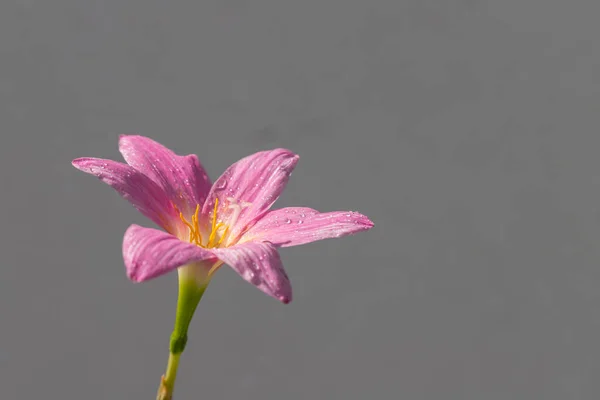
<point x="218" y="230"/>
<point x="223" y="235"/>
<point x="214" y="226"/>
<point x="193" y="226"/>
<point x="213" y="235"/>
<point x="197" y="236"/>
<point x="182" y="218"/>
<point x="214" y="221"/>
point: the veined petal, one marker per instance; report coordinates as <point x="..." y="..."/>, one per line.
<point x="149" y="253"/>
<point x="259" y="264"/>
<point x="252" y="184"/>
<point x="293" y="226"/>
<point x="183" y="178"/>
<point x="134" y="186"/>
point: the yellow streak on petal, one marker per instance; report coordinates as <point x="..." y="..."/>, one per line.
<point x="214" y="268"/>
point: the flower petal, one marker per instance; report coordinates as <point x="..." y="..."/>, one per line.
<point x="293" y="226"/>
<point x="137" y="188"/>
<point x="253" y="183"/>
<point x="149" y="253"/>
<point x="259" y="264"/>
<point x="183" y="178"/>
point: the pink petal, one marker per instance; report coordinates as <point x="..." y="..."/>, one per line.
<point x="183" y="178"/>
<point x="137" y="188"/>
<point x="299" y="225"/>
<point x="149" y="253"/>
<point x="254" y="182"/>
<point x="259" y="264"/>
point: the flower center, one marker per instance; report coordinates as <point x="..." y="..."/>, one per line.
<point x="194" y="228"/>
<point x="218" y="231"/>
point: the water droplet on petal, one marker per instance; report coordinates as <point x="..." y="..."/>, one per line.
<point x="221" y="184"/>
<point x="288" y="221"/>
<point x="251" y="277"/>
<point x="300" y="221"/>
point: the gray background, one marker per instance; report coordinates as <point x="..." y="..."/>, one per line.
<point x="467" y="130"/>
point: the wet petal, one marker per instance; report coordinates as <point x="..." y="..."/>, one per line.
<point x="252" y="184"/>
<point x="138" y="189"/>
<point x="183" y="178"/>
<point x="149" y="253"/>
<point x="259" y="264"/>
<point x="293" y="226"/>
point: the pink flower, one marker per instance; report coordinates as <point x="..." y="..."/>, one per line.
<point x="207" y="224"/>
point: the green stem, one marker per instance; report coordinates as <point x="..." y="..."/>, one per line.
<point x="187" y="301"/>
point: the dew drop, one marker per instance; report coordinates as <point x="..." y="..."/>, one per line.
<point x="288" y="221"/>
<point x="221" y="184"/>
<point x="300" y="221"/>
<point x="251" y="277"/>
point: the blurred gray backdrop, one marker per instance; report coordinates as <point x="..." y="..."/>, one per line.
<point x="467" y="130"/>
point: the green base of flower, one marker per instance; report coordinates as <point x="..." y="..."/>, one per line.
<point x="189" y="296"/>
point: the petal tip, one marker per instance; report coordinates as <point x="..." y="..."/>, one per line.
<point x="285" y="299"/>
<point x="125" y="136"/>
<point x="128" y="140"/>
<point x="78" y="162"/>
<point x="133" y="277"/>
<point x="88" y="164"/>
<point x="363" y="220"/>
<point x="285" y="153"/>
<point x="135" y="273"/>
